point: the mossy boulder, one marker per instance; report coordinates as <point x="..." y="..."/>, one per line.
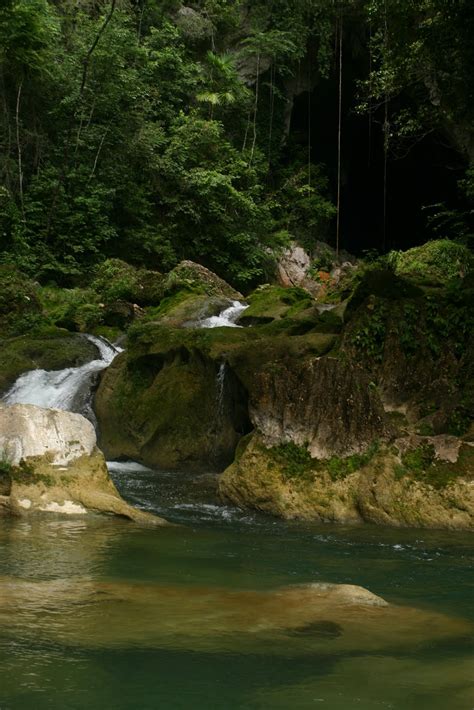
<point x="269" y="303"/>
<point x="436" y="262"/>
<point x="188" y="275"/>
<point x="52" y="349"/>
<point x="375" y="487"/>
<point x="186" y="308"/>
<point x="178" y="398"/>
<point x="115" y="280"/>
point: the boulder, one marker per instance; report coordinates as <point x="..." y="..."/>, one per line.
<point x="50" y="464"/>
<point x="178" y="398"/>
<point x="293" y="266"/>
<point x="414" y="484"/>
<point x="195" y="277"/>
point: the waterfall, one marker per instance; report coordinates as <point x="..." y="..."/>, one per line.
<point x="220" y="392"/>
<point x="227" y="318"/>
<point x="70" y="389"/>
<point x="220" y="407"/>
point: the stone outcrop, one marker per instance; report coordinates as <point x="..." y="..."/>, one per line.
<point x="178" y="398"/>
<point x="50" y="464"/>
<point x="322" y="404"/>
<point x="398" y="486"/>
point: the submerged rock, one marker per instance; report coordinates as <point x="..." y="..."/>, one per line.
<point x="320" y="617"/>
<point x="50" y="464"/>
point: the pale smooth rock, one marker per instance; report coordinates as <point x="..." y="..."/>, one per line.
<point x="27" y="431"/>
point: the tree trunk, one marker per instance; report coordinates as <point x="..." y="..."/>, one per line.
<point x="19" y="151"/>
<point x="257" y="85"/>
<point x="339" y="136"/>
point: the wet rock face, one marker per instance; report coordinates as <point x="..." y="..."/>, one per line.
<point x="322" y="404"/>
<point x="50" y="464"/>
<point x="185" y="411"/>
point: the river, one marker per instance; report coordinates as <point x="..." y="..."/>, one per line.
<point x="61" y="648"/>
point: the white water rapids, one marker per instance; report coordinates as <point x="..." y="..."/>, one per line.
<point x="69" y="389"/>
<point x="227" y="318"/>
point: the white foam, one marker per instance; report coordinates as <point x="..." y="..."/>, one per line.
<point x="227" y="318"/>
<point x="67" y="389"/>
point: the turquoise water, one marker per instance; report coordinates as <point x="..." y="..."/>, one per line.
<point x="98" y="613"/>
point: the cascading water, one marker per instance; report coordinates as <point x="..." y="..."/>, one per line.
<point x="70" y="389"/>
<point x="227" y="318"/>
<point x="220" y="392"/>
<point x="220" y="405"/>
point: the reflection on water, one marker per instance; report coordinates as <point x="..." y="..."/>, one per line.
<point x="101" y="613"/>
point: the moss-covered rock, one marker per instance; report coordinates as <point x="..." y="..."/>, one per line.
<point x="269" y="303"/>
<point x="435" y="262"/>
<point x="178" y="397"/>
<point x="376" y="487"/>
<point x="115" y="280"/>
<point x="186" y="308"/>
<point x="53" y="349"/>
<point x="188" y="275"/>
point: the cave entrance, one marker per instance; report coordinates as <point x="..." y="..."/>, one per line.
<point x="423" y="174"/>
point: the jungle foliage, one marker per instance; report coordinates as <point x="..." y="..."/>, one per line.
<point x="156" y="131"/>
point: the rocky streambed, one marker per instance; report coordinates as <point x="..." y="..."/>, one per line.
<point x="352" y="405"/>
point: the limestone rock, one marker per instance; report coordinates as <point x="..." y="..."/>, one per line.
<point x="323" y="404"/>
<point x="293" y="266"/>
<point x="51" y="464"/>
<point x="380" y="489"/>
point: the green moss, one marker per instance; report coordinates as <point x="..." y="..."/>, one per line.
<point x="435" y="262"/>
<point x="419" y="459"/>
<point x="339" y="468"/>
<point x="269" y="303"/>
<point x="295" y="462"/>
<point x="421" y="465"/>
<point x="25" y="474"/>
<point x="77" y="309"/>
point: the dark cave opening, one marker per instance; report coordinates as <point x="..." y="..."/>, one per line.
<point x="426" y="174"/>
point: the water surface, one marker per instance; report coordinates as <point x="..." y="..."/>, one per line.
<point x="58" y="648"/>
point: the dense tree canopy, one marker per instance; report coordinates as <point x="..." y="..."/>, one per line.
<point x="157" y="131"/>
